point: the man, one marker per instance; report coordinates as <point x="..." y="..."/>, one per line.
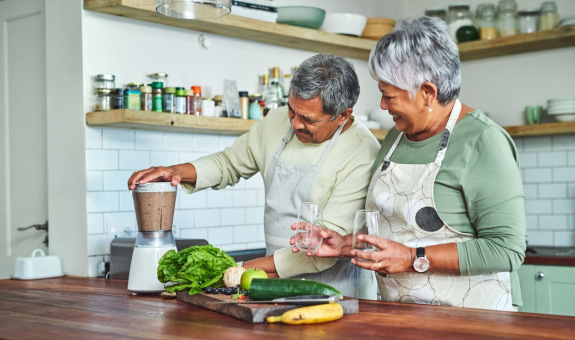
<point x="309" y="150"/>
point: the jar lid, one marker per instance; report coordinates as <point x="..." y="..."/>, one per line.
<point x="528" y="12"/>
<point x="157" y="85"/>
<point x="155" y="187"/>
<point x="459" y="6"/>
<point x="105" y="77"/>
<point x="180" y="91"/>
<point x="189" y="92"/>
<point x="243" y="93"/>
<point x="218" y="97"/>
<point x="146" y="89"/>
<point x="197" y="89"/>
<point x="549" y="6"/>
<point x="170" y="90"/>
<point x="158" y="75"/>
<point x="103" y="91"/>
<point x="134" y="84"/>
<point x="435" y="11"/>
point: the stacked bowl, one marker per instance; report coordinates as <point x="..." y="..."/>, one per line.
<point x="562" y="109"/>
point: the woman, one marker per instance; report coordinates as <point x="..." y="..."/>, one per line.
<point x="446" y="183"/>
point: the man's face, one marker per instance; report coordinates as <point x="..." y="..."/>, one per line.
<point x="311" y="125"/>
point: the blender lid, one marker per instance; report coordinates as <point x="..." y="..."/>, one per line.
<point x="155" y="187"/>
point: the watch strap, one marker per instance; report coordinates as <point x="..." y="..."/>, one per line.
<point x="420" y="252"/>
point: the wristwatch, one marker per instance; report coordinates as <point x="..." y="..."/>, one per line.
<point x="421" y="263"/>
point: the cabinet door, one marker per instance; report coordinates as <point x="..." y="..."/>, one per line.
<point x="555" y="290"/>
<point x="527" y="281"/>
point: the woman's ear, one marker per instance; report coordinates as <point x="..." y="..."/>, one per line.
<point x="429" y="92"/>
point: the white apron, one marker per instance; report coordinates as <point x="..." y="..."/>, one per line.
<point x="286" y="187"/>
<point x="403" y="194"/>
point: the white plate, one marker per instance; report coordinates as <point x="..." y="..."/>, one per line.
<point x="560" y="111"/>
<point x="566" y="118"/>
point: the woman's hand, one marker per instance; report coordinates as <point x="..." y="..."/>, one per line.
<point x="392" y="257"/>
<point x="332" y="245"/>
<point x="174" y="174"/>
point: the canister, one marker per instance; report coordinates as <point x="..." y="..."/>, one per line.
<point x="133" y="101"/>
<point x="157" y="96"/>
<point x="548" y="17"/>
<point x="146" y="98"/>
<point x="118" y="100"/>
<point x="102" y="99"/>
<point x="507" y="18"/>
<point x="104" y="81"/>
<point x="528" y="20"/>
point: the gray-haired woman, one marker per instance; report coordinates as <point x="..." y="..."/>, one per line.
<point x="446" y="183"/>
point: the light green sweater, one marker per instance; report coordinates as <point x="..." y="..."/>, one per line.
<point x="478" y="190"/>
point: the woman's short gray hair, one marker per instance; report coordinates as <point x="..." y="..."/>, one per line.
<point x="329" y="77"/>
<point x="419" y="50"/>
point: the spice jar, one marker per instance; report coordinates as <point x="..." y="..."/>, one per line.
<point x="439" y="13"/>
<point x="197" y="100"/>
<point x="548" y="17"/>
<point x="134" y="86"/>
<point x="133" y="101"/>
<point x="486" y="21"/>
<point x="170" y="99"/>
<point x="180" y="101"/>
<point x="158" y="77"/>
<point x="147" y="100"/>
<point x="102" y="99"/>
<point x="157" y="96"/>
<point x="104" y="81"/>
<point x="507" y="18"/>
<point x="244" y="104"/>
<point x="527" y="20"/>
<point x="118" y="100"/>
<point x="189" y="101"/>
<point x="458" y="16"/>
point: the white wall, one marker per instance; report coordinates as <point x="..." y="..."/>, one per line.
<point x="232" y="218"/>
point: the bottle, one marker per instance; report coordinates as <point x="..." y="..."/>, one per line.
<point x="439" y="13"/>
<point x="218" y="107"/>
<point x="275" y="82"/>
<point x="486" y="22"/>
<point x="255" y="110"/>
<point x="189" y="102"/>
<point x="102" y="99"/>
<point x="197" y="101"/>
<point x="133" y="101"/>
<point x="118" y="100"/>
<point x="528" y="21"/>
<point x="180" y="100"/>
<point x="147" y="100"/>
<point x="457" y="17"/>
<point x="170" y="99"/>
<point x="157" y="96"/>
<point x="270" y="95"/>
<point x="507" y="18"/>
<point x="244" y="104"/>
<point x="549" y="18"/>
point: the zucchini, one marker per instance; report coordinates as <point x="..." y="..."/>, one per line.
<point x="269" y="289"/>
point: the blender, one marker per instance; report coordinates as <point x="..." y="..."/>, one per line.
<point x="154" y="204"/>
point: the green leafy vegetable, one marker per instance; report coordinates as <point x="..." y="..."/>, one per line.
<point x="194" y="268"/>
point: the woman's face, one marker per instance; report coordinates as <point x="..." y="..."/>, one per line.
<point x="409" y="115"/>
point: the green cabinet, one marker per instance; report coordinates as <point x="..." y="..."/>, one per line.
<point x="548" y="289"/>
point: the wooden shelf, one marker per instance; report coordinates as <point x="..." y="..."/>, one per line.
<point x="319" y="41"/>
<point x="171" y="122"/>
<point x="159" y="121"/>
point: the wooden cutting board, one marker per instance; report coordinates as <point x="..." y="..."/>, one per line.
<point x="255" y="313"/>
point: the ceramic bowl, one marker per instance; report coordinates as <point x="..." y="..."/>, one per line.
<point x="375" y="28"/>
<point x="37" y="266"/>
<point x="344" y="23"/>
<point x="302" y="16"/>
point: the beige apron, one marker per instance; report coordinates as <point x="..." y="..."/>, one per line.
<point x="403" y="194"/>
<point x="286" y="187"/>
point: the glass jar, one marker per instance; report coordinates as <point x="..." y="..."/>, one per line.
<point x="157" y="96"/>
<point x="548" y="17"/>
<point x="189" y="101"/>
<point x="197" y="100"/>
<point x="486" y="21"/>
<point x="458" y="16"/>
<point x="507" y="18"/>
<point x="102" y="99"/>
<point x="528" y="20"/>
<point x="134" y="86"/>
<point x="118" y="100"/>
<point x="146" y="97"/>
<point x="133" y="101"/>
<point x="170" y="99"/>
<point x="180" y="100"/>
<point x="158" y="77"/>
<point x="439" y="13"/>
<point x="104" y="81"/>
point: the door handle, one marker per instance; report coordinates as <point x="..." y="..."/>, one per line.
<point x="539" y="275"/>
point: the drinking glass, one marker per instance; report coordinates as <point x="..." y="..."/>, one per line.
<point x="366" y="222"/>
<point x="308" y="227"/>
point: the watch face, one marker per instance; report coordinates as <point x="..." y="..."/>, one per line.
<point x="421" y="264"/>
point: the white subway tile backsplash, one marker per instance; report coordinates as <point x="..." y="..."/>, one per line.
<point x="94" y="180"/>
<point x="207" y="218"/>
<point x="96" y="224"/>
<point x="564" y="142"/>
<point x="537" y="144"/>
<point x="116" y="180"/>
<point x="194" y="234"/>
<point x="254" y="182"/>
<point x="101" y="159"/>
<point x="102" y="201"/>
<point x="93" y="138"/>
<point x="245" y="233"/>
<point x="197" y="200"/>
<point x="120" y="139"/>
<point x="530" y="190"/>
<point x="184" y="219"/>
<point x="538" y="206"/>
<point x="537" y="175"/>
<point x="97" y="245"/>
<point x="244" y="198"/>
<point x="220" y="198"/>
<point x="255" y="215"/>
<point x="179" y="141"/>
<point x="528" y="160"/>
<point x="206" y="143"/>
<point x="540" y="238"/>
<point x="126" y="200"/>
<point x="149" y="140"/>
<point x="233" y="216"/>
<point x="134" y="160"/>
<point x="226" y="141"/>
<point x="564" y="238"/>
<point x="553" y="222"/>
<point x="221" y="235"/>
<point x="571" y="158"/>
<point x="552" y="190"/>
<point x="164" y="158"/>
<point x="531" y="222"/>
<point x="571" y="190"/>
<point x="564" y="174"/>
<point x="564" y="206"/>
<point x="552" y="159"/>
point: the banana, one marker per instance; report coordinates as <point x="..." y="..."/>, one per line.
<point x="311" y="314"/>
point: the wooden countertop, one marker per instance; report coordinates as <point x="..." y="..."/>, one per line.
<point x="94" y="308"/>
<point x="550" y="256"/>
